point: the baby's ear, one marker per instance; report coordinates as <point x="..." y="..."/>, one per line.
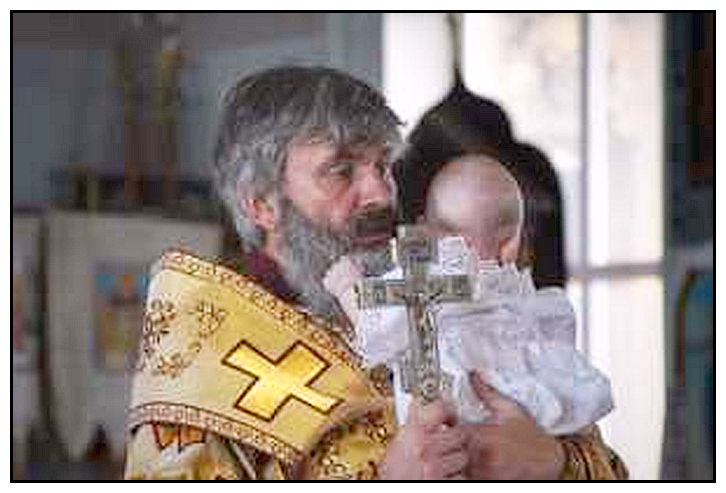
<point x="508" y="249"/>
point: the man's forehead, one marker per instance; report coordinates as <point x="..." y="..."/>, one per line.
<point x="328" y="147"/>
<point x="363" y="150"/>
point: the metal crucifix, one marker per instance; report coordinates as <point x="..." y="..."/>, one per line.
<point x="414" y="250"/>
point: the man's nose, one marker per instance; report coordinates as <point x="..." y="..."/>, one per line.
<point x="372" y="187"/>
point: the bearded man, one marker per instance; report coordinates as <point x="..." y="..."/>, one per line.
<point x="256" y="376"/>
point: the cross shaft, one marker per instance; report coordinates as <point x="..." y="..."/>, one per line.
<point x="417" y="291"/>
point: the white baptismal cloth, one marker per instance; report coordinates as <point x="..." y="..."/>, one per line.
<point x="520" y="339"/>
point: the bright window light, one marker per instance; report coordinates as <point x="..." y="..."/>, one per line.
<point x="417" y="63"/>
<point x="587" y="89"/>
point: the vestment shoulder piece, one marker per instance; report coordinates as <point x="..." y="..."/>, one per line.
<point x="220" y="353"/>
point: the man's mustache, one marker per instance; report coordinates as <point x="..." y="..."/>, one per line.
<point x="372" y="226"/>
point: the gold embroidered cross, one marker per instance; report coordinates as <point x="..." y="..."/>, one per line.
<point x="279" y="380"/>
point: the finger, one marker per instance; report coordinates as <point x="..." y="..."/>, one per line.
<point x="482" y="389"/>
<point x="446" y="466"/>
<point x="497" y="403"/>
<point x="435" y="415"/>
<point x="425" y="414"/>
<point x="446" y="441"/>
<point x="414" y="412"/>
<point x="454" y="464"/>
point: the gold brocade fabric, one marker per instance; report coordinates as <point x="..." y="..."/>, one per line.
<point x="232" y="382"/>
<point x="587" y="457"/>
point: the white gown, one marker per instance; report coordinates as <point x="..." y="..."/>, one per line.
<point x="520" y="339"/>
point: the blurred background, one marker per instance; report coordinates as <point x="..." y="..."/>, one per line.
<point x="113" y="120"/>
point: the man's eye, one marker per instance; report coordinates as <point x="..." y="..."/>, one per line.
<point x="384" y="168"/>
<point x="343" y="169"/>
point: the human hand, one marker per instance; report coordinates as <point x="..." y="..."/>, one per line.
<point x="510" y="446"/>
<point x="430" y="446"/>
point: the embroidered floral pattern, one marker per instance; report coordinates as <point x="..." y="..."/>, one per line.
<point x="173" y="365"/>
<point x="209" y="317"/>
<point x="332" y="458"/>
<point x="157" y="324"/>
<point x="335" y="339"/>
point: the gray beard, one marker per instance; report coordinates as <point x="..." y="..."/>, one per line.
<point x="309" y="250"/>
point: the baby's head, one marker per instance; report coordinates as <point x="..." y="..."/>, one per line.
<point x="476" y="197"/>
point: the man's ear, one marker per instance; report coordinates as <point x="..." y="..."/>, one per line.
<point x="261" y="211"/>
<point x="508" y="249"/>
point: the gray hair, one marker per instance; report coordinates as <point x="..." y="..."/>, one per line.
<point x="267" y="111"/>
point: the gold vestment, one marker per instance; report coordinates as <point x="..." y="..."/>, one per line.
<point x="233" y="383"/>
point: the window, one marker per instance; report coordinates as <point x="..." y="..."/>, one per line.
<point x="587" y="89"/>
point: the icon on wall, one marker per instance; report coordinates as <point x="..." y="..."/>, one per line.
<point x="119" y="293"/>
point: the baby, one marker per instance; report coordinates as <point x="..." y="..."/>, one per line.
<point x="522" y="340"/>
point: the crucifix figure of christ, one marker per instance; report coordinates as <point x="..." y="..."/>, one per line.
<point x="414" y="250"/>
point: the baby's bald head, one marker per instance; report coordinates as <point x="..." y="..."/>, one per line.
<point x="476" y="197"/>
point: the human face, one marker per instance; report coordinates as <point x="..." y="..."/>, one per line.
<point x="333" y="186"/>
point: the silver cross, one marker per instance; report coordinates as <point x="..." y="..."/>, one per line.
<point x="414" y="250"/>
